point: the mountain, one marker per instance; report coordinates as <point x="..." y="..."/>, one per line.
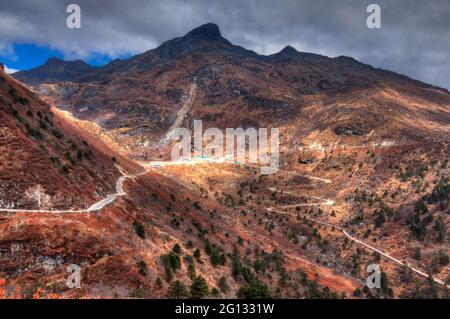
<point x="55" y="70"/>
<point x="137" y="99"/>
<point x="363" y="176"/>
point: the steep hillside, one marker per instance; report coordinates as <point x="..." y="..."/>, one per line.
<point x="45" y="163"/>
<point x="149" y="240"/>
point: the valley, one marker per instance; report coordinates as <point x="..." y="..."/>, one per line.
<point x="87" y="177"/>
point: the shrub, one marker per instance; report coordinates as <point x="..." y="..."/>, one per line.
<point x="12" y="92"/>
<point x="223" y="284"/>
<point x="197" y="205"/>
<point x="65" y="170"/>
<point x="139" y="229"/>
<point x="197" y="255"/>
<point x="215" y="292"/>
<point x="42" y="125"/>
<point x="57" y="134"/>
<point x="176" y="249"/>
<point x="142" y="268"/>
<point x="175" y="224"/>
<point x="357" y="293"/>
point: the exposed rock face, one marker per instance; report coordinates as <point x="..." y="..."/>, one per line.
<point x="206" y="31"/>
<point x="2" y="67"/>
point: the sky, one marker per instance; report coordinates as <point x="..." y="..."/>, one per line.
<point x="414" y="38"/>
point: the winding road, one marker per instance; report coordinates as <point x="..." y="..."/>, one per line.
<point x="96" y="207"/>
<point x="109" y="199"/>
<point x="346" y="233"/>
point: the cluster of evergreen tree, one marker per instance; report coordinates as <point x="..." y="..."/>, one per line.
<point x="439" y="195"/>
<point x="199" y="289"/>
<point x="217" y="256"/>
<point x="417" y="223"/>
<point x="171" y="262"/>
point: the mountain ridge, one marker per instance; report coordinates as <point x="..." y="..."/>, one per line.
<point x="136" y="100"/>
<point x="205" y="37"/>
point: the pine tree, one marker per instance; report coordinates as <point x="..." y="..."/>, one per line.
<point x="255" y="289"/>
<point x="199" y="288"/>
<point x="139" y="229"/>
<point x="177" y="249"/>
<point x="223" y="284"/>
<point x="197" y="255"/>
<point x="177" y="290"/>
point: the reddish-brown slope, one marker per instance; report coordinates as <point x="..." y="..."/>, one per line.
<point x="41" y="148"/>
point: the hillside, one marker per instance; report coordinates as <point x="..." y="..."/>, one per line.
<point x="363" y="176"/>
<point x="45" y="163"/>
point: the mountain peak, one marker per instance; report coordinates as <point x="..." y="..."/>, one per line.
<point x="208" y="30"/>
<point x="58" y="61"/>
<point x="54" y="60"/>
<point x="288" y="50"/>
<point x="204" y="37"/>
<point x="286" y="54"/>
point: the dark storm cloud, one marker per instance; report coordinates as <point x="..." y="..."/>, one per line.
<point x="414" y="38"/>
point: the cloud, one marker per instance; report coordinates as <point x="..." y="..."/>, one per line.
<point x="414" y="38"/>
<point x="10" y="71"/>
